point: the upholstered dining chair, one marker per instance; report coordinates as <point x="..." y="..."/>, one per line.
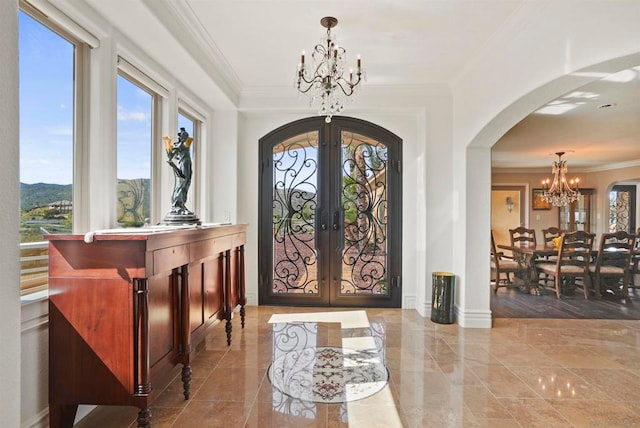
<point x="523" y="236"/>
<point x="613" y="261"/>
<point x="548" y="235"/>
<point x="574" y="256"/>
<point x="502" y="265"/>
<point x="634" y="269"/>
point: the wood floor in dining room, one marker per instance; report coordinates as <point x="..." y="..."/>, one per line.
<point x="513" y="303"/>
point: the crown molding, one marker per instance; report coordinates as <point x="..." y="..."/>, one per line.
<point x="574" y="170"/>
<point x="181" y="21"/>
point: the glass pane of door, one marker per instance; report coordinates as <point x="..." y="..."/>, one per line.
<point x="364" y="211"/>
<point x="622" y="203"/>
<point x="294" y="197"/>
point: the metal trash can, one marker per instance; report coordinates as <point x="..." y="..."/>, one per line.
<point x="442" y="297"/>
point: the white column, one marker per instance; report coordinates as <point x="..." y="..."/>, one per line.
<point x="472" y="245"/>
<point x="9" y="218"/>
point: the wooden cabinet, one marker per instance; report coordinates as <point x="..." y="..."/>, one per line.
<point x="577" y="215"/>
<point x="125" y="309"/>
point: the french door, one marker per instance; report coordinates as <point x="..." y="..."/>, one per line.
<point x="330" y="214"/>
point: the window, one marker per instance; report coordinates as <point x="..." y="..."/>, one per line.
<point x="48" y="91"/>
<point x="190" y="125"/>
<point x="135" y="113"/>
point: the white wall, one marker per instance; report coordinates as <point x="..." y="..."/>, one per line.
<point x="9" y="217"/>
<point x="408" y="125"/>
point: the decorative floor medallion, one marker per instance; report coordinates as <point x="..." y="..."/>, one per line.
<point x="328" y="374"/>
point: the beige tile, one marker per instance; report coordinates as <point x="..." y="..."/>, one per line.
<point x="436" y="416"/>
<point x="552" y="383"/>
<point x="110" y="417"/>
<point x="212" y="414"/>
<point x="173" y="395"/>
<point x="231" y="384"/>
<point x="521" y="354"/>
<point x="588" y="413"/>
<point x="249" y="359"/>
<point x="620" y="385"/>
<point x="164" y="417"/>
<point x="502" y="382"/>
<point x="483" y="404"/>
<point x="572" y="356"/>
<point x="534" y="412"/>
<point x="288" y="415"/>
<point x="398" y="359"/>
<point x="441" y="375"/>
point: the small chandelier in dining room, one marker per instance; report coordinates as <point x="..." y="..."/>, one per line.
<point x="561" y="192"/>
<point x="325" y="81"/>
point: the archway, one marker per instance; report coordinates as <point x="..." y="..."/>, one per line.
<point x="330" y="214"/>
<point x="478" y="157"/>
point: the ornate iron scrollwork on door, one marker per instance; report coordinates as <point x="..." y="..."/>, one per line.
<point x="295" y="168"/>
<point x="364" y="205"/>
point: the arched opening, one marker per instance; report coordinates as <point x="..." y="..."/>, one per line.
<point x="479" y="182"/>
<point x="330" y="214"/>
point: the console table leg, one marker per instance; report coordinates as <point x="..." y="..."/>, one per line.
<point x="62" y="415"/>
<point x="186" y="380"/>
<point x="242" y="315"/>
<point x="144" y="418"/>
<point x="228" y="330"/>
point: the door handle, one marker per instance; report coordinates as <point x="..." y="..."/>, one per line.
<point x="321" y="215"/>
<point x="336" y="220"/>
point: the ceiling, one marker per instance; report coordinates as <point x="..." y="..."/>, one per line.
<point x="256" y="45"/>
<point x="597" y="125"/>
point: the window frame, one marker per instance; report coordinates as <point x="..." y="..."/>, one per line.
<point x="81" y="53"/>
<point x="159" y="95"/>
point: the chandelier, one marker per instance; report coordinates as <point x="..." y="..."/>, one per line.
<point x="561" y="192"/>
<point x="325" y="81"/>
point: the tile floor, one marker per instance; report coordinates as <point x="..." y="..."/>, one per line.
<point x="521" y="373"/>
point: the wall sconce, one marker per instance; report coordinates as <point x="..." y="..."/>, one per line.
<point x="509" y="204"/>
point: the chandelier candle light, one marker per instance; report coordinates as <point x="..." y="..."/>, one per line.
<point x="561" y="192"/>
<point x="325" y="80"/>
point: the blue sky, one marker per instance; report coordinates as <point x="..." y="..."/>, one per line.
<point x="46" y="104"/>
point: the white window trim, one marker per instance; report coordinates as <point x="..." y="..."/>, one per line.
<point x="54" y="15"/>
<point x="135" y="74"/>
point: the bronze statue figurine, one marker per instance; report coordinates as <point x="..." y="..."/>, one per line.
<point x="179" y="158"/>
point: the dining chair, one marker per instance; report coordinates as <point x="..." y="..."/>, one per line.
<point x="613" y="261"/>
<point x="523" y="236"/>
<point x="551" y="233"/>
<point x="502" y="265"/>
<point x="574" y="256"/>
<point x="634" y="269"/>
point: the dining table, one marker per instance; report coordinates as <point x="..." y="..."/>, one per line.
<point x="526" y="255"/>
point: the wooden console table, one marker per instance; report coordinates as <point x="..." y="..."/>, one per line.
<point x="125" y="309"/>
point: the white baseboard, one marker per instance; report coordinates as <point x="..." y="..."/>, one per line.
<point x="474" y="319"/>
<point x="41" y="420"/>
<point x="409" y="302"/>
<point x="424" y="310"/>
<point x="252" y="299"/>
